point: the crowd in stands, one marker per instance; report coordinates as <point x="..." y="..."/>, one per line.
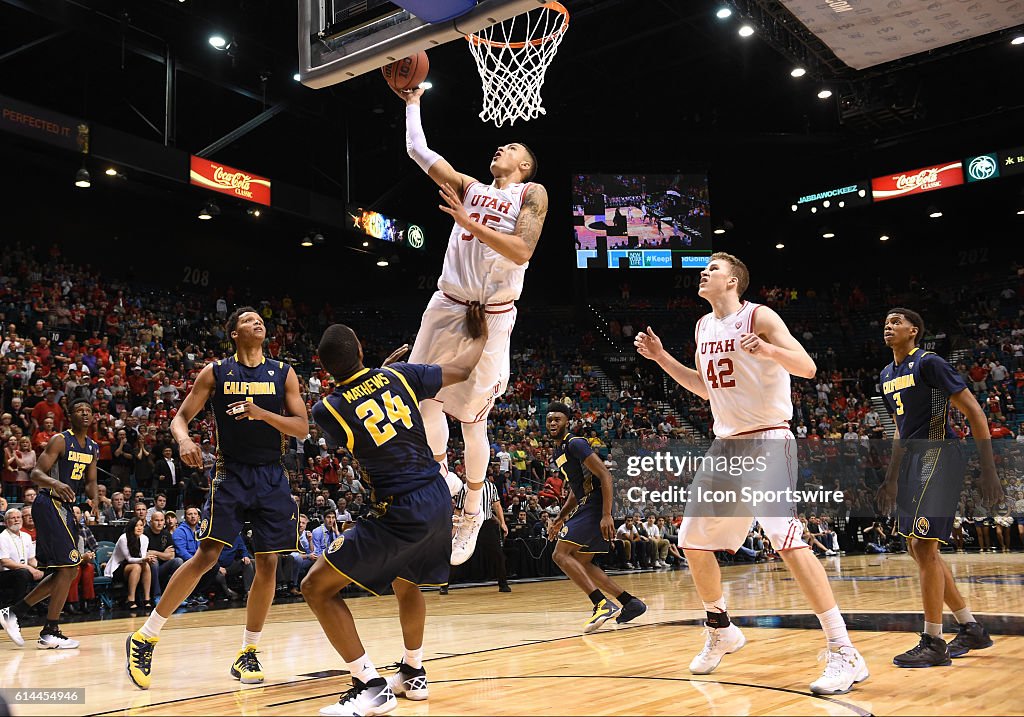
<point x="135" y="351"/>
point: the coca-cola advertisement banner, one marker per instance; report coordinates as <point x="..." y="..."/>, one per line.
<point x="228" y="180"/>
<point x="917" y="181"/>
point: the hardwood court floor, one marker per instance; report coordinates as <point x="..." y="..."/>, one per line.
<point x="491" y="653"/>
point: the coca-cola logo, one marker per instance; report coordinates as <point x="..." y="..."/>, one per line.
<point x="232" y="180"/>
<point x="924" y="178"/>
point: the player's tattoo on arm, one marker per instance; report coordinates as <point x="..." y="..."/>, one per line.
<point x="532" y="215"/>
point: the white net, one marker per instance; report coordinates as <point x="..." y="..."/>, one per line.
<point x="512" y="58"/>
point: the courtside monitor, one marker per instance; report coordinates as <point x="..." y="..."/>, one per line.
<point x="641" y="221"/>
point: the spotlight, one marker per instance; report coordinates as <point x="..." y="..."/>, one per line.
<point x="82" y="179"/>
<point x="1019" y="40"/>
<point x="798" y="72"/>
<point x="780" y="245"/>
<point x="366" y="243"/>
<point x="218" y="42"/>
<point x="862" y="193"/>
<point x="723" y="13"/>
<point x="746" y="31"/>
<point x="794" y="207"/>
<point x="719" y="231"/>
<point x="814" y="210"/>
<point x="884" y="237"/>
<point x="426" y="85"/>
<point x="1021" y="212"/>
<point x="306" y="241"/>
<point x="296" y="77"/>
<point x="209" y="210"/>
<point x="253" y="211"/>
<point x="825" y="94"/>
<point x="110" y="172"/>
<point x="934" y="212"/>
<point x="828" y="235"/>
<point x="382" y="262"/>
<point x="826" y="204"/>
<point x="842" y="204"/>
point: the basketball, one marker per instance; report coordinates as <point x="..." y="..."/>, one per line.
<point x="407" y="73"/>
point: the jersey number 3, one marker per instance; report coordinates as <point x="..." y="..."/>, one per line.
<point x="899" y="403"/>
<point x="725" y="370"/>
<point x="372" y="416"/>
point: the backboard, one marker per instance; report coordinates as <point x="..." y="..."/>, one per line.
<point x="341" y="39"/>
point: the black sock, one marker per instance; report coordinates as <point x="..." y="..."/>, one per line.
<point x="51" y="626"/>
<point x="596" y="597"/>
<point x="718" y="619"/>
<point x="624" y="597"/>
<point x="21" y="608"/>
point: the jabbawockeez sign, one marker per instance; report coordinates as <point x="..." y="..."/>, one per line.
<point x="228" y="180"/>
<point x="917" y="181"/>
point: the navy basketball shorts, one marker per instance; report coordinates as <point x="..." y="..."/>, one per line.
<point x="407" y="538"/>
<point x="928" y="491"/>
<point x="259" y="494"/>
<point x="583" y="528"/>
<point x="56" y="532"/>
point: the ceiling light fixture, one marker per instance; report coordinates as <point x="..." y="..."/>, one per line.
<point x="746" y="31"/>
<point x="297" y="77"/>
<point x="884" y="237"/>
<point x="798" y="72"/>
<point x="253" y="212"/>
<point x="1019" y="40"/>
<point x="426" y="85"/>
<point x="719" y="231"/>
<point x="794" y="207"/>
<point x="209" y="211"/>
<point x="218" y="42"/>
<point x="824" y="94"/>
<point x="828" y="235"/>
<point x="382" y="262"/>
<point x="111" y="172"/>
<point x="306" y="241"/>
<point x="82" y="179"/>
<point x="934" y="212"/>
<point x="366" y="243"/>
<point x="723" y="13"/>
<point x="780" y="245"/>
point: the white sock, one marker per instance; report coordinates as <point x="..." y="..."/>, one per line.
<point x="250" y="638"/>
<point x="362" y="669"/>
<point x="963" y="615"/>
<point x="153" y="625"/>
<point x="414" y="658"/>
<point x="474" y="499"/>
<point x="716" y="606"/>
<point x="834" y="625"/>
<point x="933" y="628"/>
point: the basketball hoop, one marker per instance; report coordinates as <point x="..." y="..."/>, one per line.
<point x="512" y="58"/>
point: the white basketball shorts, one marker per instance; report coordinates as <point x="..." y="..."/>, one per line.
<point x="702" y="530"/>
<point x="443" y="336"/>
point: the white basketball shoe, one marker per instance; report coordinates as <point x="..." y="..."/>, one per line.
<point x="718" y="642"/>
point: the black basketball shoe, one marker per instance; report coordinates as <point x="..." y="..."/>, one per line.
<point x="632" y="609"/>
<point x="971" y="636"/>
<point x="930" y="652"/>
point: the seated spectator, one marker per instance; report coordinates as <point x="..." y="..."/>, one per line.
<point x="17" y="557"/>
<point x="161" y="545"/>
<point x="131" y="560"/>
<point x="28" y="524"/>
<point x="235" y="562"/>
<point x="551" y="493"/>
<point x="116" y="511"/>
<point x="661" y="544"/>
<point x="304" y="560"/>
<point x="86" y="570"/>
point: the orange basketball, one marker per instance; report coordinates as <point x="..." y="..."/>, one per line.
<point x="408" y="73"/>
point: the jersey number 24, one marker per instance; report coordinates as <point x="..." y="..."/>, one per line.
<point x="379" y="423"/>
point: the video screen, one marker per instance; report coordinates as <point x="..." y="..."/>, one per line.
<point x="641" y="221"/>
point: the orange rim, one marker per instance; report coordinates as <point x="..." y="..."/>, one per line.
<point x="537" y="42"/>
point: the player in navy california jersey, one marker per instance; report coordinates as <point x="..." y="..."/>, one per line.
<point x="584" y="526"/>
<point x="256" y="404"/>
<point x="404" y="539"/>
<point x="925" y="477"/>
<point x="65" y="472"/>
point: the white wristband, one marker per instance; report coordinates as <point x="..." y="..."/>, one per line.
<point x="416" y="140"/>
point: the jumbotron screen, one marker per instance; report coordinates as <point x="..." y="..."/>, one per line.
<point x="641" y="221"/>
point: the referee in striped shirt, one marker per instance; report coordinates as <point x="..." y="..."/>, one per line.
<point x="489" y="543"/>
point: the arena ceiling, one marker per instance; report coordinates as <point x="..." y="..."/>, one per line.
<point x="638" y="84"/>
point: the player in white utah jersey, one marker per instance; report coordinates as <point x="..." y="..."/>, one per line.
<point x="745" y="355"/>
<point x="497" y="227"/>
